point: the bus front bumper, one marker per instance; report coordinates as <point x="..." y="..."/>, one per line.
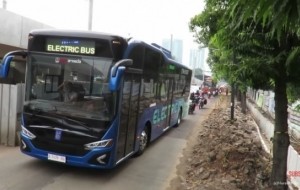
<point x="100" y="158"/>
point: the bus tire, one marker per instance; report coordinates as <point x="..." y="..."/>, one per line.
<point x="179" y="118"/>
<point x="144" y="140"/>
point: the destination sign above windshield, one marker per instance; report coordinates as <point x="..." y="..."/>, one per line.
<point x="73" y="46"/>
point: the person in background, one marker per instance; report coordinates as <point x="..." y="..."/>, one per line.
<point x="192" y="96"/>
<point x="209" y="93"/>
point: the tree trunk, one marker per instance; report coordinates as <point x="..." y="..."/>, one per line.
<point x="238" y="94"/>
<point x="232" y="102"/>
<point x="243" y="102"/>
<point x="281" y="138"/>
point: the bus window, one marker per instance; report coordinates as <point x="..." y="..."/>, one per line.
<point x="72" y="92"/>
<point x="135" y="55"/>
<point x="152" y="61"/>
<point x="69" y="83"/>
<point x="51" y="83"/>
<point x="164" y="86"/>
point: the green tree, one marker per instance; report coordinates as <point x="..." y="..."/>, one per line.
<point x="247" y="33"/>
<point x="283" y="19"/>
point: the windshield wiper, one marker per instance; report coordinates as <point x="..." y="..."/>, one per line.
<point x="51" y="114"/>
<point x="41" y="107"/>
<point x="76" y="125"/>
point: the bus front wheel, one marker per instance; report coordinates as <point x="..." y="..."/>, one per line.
<point x="143" y="140"/>
<point x="179" y="118"/>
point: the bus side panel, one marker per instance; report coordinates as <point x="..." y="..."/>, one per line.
<point x="176" y="106"/>
<point x="151" y="115"/>
<point x="155" y="116"/>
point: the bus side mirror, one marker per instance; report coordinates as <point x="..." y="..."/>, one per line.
<point x="123" y="62"/>
<point x="117" y="73"/>
<point x="5" y="64"/>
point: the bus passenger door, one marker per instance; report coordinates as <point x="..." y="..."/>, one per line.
<point x="166" y="98"/>
<point x="128" y="114"/>
<point x="170" y="101"/>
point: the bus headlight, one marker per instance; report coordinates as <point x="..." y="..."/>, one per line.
<point x="27" y="133"/>
<point x="99" y="144"/>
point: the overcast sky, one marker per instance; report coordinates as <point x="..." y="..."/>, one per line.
<point x="147" y="20"/>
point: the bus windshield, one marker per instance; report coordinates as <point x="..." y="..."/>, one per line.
<point x="69" y="85"/>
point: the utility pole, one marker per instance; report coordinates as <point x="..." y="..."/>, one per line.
<point x="90" y="14"/>
<point x="4" y="4"/>
<point x="171" y="43"/>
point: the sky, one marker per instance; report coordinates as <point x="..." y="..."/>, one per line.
<point x="146" y="20"/>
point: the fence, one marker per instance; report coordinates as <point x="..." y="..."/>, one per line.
<point x="265" y="101"/>
<point x="11" y="103"/>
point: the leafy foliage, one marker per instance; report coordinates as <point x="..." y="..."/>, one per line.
<point x="256" y="44"/>
<point x="243" y="48"/>
<point x="293" y="93"/>
<point x="281" y="15"/>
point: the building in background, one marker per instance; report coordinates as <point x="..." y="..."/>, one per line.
<point x="198" y="64"/>
<point x="175" y="46"/>
<point x="14" y="30"/>
<point x="198" y="58"/>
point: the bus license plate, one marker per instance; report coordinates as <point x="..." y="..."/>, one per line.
<point x="57" y="158"/>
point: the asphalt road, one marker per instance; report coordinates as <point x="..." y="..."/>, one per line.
<point x="154" y="170"/>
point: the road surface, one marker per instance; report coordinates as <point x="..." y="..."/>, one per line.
<point x="153" y="170"/>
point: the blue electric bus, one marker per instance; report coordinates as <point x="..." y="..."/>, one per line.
<point x="95" y="99"/>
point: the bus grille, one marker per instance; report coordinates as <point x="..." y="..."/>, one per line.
<point x="58" y="147"/>
<point x="71" y="144"/>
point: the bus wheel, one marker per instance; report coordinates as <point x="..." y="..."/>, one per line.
<point x="179" y="118"/>
<point x="143" y="141"/>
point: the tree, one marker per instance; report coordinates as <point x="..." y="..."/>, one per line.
<point x="283" y="19"/>
<point x="267" y="55"/>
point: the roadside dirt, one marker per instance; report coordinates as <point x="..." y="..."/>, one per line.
<point x="223" y="154"/>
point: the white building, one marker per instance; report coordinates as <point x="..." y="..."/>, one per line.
<point x="198" y="63"/>
<point x="175" y="46"/>
<point x="198" y="58"/>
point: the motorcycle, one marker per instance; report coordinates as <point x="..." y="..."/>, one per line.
<point x="192" y="106"/>
<point x="209" y="94"/>
<point x="202" y="102"/>
<point x="197" y="99"/>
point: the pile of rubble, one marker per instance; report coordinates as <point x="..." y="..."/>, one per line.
<point x="227" y="155"/>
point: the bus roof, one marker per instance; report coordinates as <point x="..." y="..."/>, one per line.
<point x="134" y="42"/>
<point x="108" y="36"/>
<point x="75" y="33"/>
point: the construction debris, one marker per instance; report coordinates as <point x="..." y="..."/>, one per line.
<point x="227" y="155"/>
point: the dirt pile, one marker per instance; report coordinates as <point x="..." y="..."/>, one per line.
<point x="228" y="154"/>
